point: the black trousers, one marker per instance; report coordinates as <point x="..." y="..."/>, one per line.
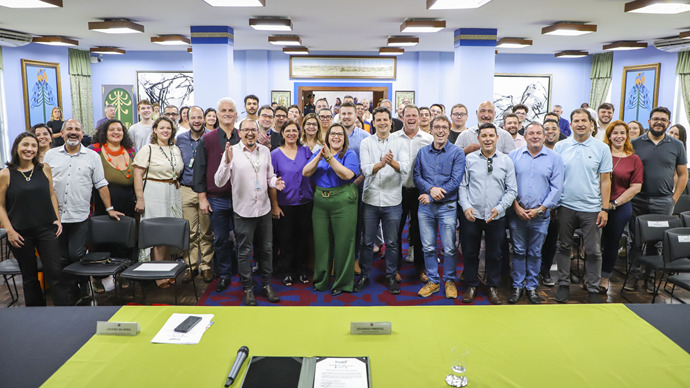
<point x="410" y="206"/>
<point x="293" y="230"/>
<point x="72" y="247"/>
<point x="44" y="240"/>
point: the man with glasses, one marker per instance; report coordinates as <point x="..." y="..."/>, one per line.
<point x="247" y="165"/>
<point x="266" y="136"/>
<point x="438" y="171"/>
<point x="583" y="204"/>
<point x="485" y="115"/>
<point x="172" y="112"/>
<point x="662" y="157"/>
<point x="458" y="115"/>
<point x="487" y="190"/>
<point x="520" y="111"/>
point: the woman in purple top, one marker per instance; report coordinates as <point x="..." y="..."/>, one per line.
<point x="292" y="206"/>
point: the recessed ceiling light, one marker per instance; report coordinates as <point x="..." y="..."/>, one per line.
<point x="403" y="41"/>
<point x="684" y="35"/>
<point x="236" y="3"/>
<point x="107" y="50"/>
<point x="422" y="25"/>
<point x="170" y="40"/>
<point x="454" y="4"/>
<point x="513" y="43"/>
<point x="571" y="54"/>
<point x="296" y="50"/>
<point x="31" y="3"/>
<point x="116" y="26"/>
<point x="391" y="51"/>
<point x="625" y="45"/>
<point x="55" y="41"/>
<point x="569" y="29"/>
<point x="658" y="6"/>
<point x="271" y="24"/>
<point x="285" y="40"/>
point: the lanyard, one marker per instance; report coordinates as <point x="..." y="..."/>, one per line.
<point x="171" y="159"/>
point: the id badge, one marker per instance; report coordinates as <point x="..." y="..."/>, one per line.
<point x="191" y="162"/>
<point x="257" y="185"/>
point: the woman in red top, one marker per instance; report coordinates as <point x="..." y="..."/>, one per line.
<point x="626" y="182"/>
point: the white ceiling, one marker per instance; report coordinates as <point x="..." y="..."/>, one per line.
<point x="348" y="25"/>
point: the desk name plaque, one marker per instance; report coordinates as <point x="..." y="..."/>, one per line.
<point x="117" y="328"/>
<point x="370" y="328"/>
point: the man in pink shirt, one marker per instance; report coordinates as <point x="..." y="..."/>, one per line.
<point x="248" y="166"/>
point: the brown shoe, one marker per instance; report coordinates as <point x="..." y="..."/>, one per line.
<point x="358" y="271"/>
<point x="398" y="278"/>
<point x="469" y="295"/>
<point x="429" y="289"/>
<point x="207" y="275"/>
<point x="493" y="296"/>
<point x="188" y="275"/>
<point x="423" y="278"/>
<point x="451" y="291"/>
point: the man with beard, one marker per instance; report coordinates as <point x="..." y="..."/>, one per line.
<point x="468" y="140"/>
<point x="76" y="170"/>
<point x="200" y="232"/>
<point x="458" y="115"/>
<point x="267" y="136"/>
<point x="662" y="157"/>
<point x="511" y="123"/>
<point x="605" y="114"/>
<point x="553" y="116"/>
<point x="248" y="165"/>
<point x="251" y="106"/>
<point x="216" y="201"/>
<point x="521" y="111"/>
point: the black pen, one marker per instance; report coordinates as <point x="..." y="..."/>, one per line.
<point x="239" y="360"/>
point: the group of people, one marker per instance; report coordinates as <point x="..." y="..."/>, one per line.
<point x="279" y="184"/>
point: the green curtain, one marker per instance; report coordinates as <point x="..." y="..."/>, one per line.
<point x="80" y="82"/>
<point x="683" y="71"/>
<point x="601" y="78"/>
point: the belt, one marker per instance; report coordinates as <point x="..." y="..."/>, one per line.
<point x="170" y="181"/>
<point x="327" y="192"/>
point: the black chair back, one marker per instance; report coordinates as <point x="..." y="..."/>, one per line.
<point x="685" y="217"/>
<point x="166" y="231"/>
<point x="682" y="205"/>
<point x="676" y="244"/>
<point x="650" y="228"/>
<point x="106" y="230"/>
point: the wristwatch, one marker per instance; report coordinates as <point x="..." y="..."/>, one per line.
<point x="540" y="212"/>
<point x="614" y="204"/>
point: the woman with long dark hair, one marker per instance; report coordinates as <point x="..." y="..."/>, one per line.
<point x="45" y="139"/>
<point x="210" y="119"/>
<point x="29" y="213"/>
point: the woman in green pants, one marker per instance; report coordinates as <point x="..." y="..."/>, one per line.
<point x="333" y="169"/>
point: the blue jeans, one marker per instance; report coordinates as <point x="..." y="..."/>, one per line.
<point x="389" y="216"/>
<point x="494" y="234"/>
<point x="528" y="238"/>
<point x="223" y="244"/>
<point x="441" y="216"/>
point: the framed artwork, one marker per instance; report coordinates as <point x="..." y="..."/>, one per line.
<point x="640" y="91"/>
<point x="531" y="90"/>
<point x="401" y="95"/>
<point x="342" y="67"/>
<point x="42" y="92"/>
<point x="122" y="96"/>
<point x="166" y="87"/>
<point x="282" y="97"/>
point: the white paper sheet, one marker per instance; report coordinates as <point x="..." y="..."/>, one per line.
<point x="341" y="373"/>
<point x="168" y="335"/>
<point x="156" y="267"/>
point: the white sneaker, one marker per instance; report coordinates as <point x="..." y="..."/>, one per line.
<point x="410" y="255"/>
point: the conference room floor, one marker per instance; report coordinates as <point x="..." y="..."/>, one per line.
<point x="186" y="294"/>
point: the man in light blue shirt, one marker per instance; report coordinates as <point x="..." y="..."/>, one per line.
<point x="438" y="172"/>
<point x="487" y="190"/>
<point x="539" y="174"/>
<point x="586" y="187"/>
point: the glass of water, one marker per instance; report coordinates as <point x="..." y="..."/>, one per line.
<point x="458" y="367"/>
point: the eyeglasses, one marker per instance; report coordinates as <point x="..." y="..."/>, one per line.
<point x="659" y="120"/>
<point x="264" y="116"/>
<point x="437" y="127"/>
<point x="489" y="166"/>
<point x="458" y="114"/>
<point x="311" y="125"/>
<point x="337" y="134"/>
<point x="281" y="116"/>
<point x="249" y="129"/>
<point x="325" y="117"/>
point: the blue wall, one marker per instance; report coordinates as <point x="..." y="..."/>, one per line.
<point x="14" y="97"/>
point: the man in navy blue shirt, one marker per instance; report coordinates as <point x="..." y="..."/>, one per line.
<point x="438" y="171"/>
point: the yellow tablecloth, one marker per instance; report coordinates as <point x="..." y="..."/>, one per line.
<point x="509" y="346"/>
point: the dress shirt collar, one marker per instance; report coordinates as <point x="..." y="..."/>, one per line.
<point x="585" y="143"/>
<point x="481" y="154"/>
<point x="542" y="151"/>
<point x="664" y="140"/>
<point x="82" y="150"/>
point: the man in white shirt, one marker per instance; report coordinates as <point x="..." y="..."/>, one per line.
<point x="384" y="160"/>
<point x="485" y="115"/>
<point x="141" y="131"/>
<point x="248" y="166"/>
